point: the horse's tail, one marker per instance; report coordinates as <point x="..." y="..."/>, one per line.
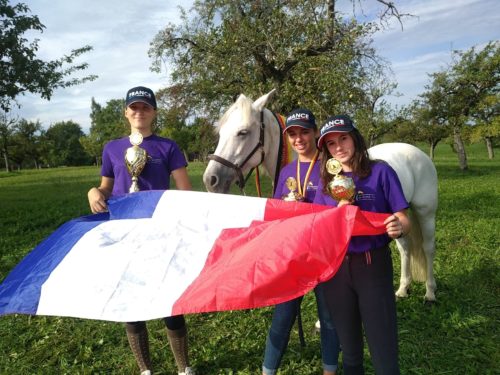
<point x="418" y="260"/>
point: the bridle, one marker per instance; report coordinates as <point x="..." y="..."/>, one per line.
<point x="238" y="168"/>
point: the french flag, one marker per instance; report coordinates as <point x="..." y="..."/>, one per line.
<point x="163" y="253"/>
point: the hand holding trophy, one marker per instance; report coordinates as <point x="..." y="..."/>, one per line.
<point x="135" y="160"/>
<point x="341" y="187"/>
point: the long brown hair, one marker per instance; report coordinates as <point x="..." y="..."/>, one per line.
<point x="360" y="162"/>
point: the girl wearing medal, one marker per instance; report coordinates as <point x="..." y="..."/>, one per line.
<point x="360" y="296"/>
<point x="164" y="159"/>
<point x="298" y="181"/>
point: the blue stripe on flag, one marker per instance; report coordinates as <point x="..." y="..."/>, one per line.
<point x="134" y="206"/>
<point x="20" y="291"/>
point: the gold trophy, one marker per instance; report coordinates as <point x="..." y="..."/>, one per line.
<point x="341" y="187"/>
<point x="293" y="196"/>
<point x="135" y="160"/>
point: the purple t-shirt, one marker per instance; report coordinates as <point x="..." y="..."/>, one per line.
<point x="380" y="192"/>
<point x="290" y="170"/>
<point x="164" y="156"/>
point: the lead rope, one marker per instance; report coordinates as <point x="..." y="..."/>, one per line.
<point x="257" y="182"/>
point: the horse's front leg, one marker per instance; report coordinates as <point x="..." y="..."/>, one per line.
<point x="405" y="280"/>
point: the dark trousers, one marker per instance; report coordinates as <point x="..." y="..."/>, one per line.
<point x="361" y="295"/>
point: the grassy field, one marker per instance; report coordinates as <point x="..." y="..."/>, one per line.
<point x="457" y="335"/>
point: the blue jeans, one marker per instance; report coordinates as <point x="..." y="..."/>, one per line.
<point x="279" y="334"/>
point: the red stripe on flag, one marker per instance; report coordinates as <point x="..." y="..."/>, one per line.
<point x="279" y="209"/>
<point x="369" y="223"/>
<point x="274" y="261"/>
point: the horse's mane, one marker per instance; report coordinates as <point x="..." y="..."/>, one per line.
<point x="243" y="104"/>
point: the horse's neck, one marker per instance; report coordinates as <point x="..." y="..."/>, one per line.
<point x="272" y="149"/>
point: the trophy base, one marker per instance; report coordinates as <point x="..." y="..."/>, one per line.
<point x="134" y="188"/>
<point x="293" y="197"/>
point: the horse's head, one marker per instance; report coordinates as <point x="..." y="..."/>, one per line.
<point x="241" y="144"/>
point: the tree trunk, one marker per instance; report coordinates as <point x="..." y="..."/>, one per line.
<point x="489" y="146"/>
<point x="432" y="151"/>
<point x="331" y="16"/>
<point x="460" y="148"/>
<point x="372" y="138"/>
<point x="6" y="159"/>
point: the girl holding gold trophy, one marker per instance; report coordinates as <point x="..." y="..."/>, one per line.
<point x="360" y="295"/>
<point x="144" y="161"/>
<point x="298" y="181"/>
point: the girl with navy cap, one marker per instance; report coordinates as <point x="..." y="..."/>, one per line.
<point x="299" y="181"/>
<point x="360" y="295"/>
<point x="165" y="159"/>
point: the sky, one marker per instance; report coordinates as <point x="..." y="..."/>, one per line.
<point x="120" y="33"/>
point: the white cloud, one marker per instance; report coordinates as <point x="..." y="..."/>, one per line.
<point x="413" y="75"/>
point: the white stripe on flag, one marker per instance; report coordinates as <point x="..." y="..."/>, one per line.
<point x="214" y="210"/>
<point x="119" y="261"/>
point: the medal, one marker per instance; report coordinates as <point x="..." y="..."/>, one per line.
<point x="302" y="191"/>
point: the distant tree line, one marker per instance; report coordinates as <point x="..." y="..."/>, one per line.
<point x="26" y="144"/>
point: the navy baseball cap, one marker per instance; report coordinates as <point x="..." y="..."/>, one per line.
<point x="300" y="117"/>
<point x="140" y="94"/>
<point x="335" y="124"/>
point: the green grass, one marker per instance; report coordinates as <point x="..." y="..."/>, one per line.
<point x="457" y="335"/>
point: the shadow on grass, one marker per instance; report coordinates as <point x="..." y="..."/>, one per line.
<point x="476" y="170"/>
<point x="238" y="345"/>
<point x="469" y="202"/>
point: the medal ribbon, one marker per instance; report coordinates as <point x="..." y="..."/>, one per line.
<point x="309" y="170"/>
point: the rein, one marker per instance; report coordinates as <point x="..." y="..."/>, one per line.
<point x="238" y="168"/>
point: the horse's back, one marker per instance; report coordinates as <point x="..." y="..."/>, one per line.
<point x="415" y="170"/>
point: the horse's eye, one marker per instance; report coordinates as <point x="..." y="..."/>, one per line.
<point x="242" y="133"/>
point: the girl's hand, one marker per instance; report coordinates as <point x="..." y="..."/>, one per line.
<point x="343" y="202"/>
<point x="97" y="201"/>
<point x="394" y="225"/>
<point x="97" y="195"/>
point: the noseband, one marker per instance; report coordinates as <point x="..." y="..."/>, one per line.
<point x="238" y="168"/>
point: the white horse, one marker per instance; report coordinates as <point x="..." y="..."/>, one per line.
<point x="249" y="136"/>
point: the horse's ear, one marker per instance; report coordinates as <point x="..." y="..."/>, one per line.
<point x="260" y="103"/>
<point x="238" y="97"/>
